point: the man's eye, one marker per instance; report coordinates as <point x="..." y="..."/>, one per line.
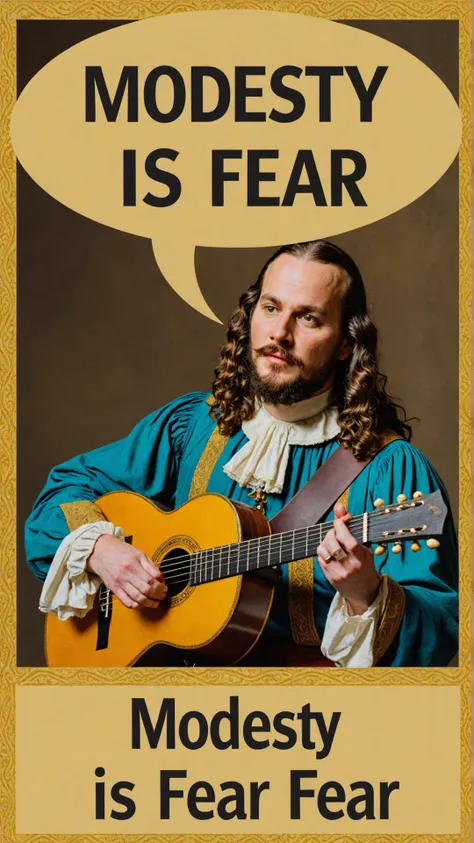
<point x="310" y="319"/>
<point x="270" y="308"/>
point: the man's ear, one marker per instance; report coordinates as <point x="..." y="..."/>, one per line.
<point x="345" y="349"/>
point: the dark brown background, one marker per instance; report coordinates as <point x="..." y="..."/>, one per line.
<point x="103" y="339"/>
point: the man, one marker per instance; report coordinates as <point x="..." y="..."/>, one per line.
<point x="298" y="378"/>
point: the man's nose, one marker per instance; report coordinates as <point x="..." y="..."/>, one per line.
<point x="281" y="329"/>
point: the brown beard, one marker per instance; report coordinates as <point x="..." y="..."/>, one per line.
<point x="298" y="389"/>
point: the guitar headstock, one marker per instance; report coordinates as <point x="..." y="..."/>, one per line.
<point x="422" y="517"/>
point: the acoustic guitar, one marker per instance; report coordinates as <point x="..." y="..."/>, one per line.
<point x="218" y="559"/>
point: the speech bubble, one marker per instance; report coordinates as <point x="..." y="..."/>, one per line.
<point x="260" y="121"/>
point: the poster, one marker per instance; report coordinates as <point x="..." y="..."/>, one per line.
<point x="104" y="321"/>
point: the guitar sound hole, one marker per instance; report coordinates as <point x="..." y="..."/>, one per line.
<point x="176" y="570"/>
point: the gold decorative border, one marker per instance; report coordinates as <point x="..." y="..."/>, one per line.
<point x="10" y="12"/>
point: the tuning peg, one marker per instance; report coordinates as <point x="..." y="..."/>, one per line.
<point x="378" y="502"/>
<point x="417" y="495"/>
<point x="401" y="498"/>
<point x="397" y="548"/>
<point x="380" y="549"/>
<point x="415" y="547"/>
<point x="432" y="543"/>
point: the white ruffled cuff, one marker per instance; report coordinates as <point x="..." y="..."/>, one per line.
<point x="69" y="589"/>
<point x="349" y="639"/>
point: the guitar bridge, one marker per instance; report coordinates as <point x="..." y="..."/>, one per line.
<point x="104" y="617"/>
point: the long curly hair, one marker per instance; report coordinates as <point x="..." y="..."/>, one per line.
<point x="366" y="410"/>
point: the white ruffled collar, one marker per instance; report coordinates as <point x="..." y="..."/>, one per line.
<point x="262" y="461"/>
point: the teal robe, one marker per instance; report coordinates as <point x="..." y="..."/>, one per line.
<point x="158" y="460"/>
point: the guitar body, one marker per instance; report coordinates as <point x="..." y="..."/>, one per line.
<point x="211" y="623"/>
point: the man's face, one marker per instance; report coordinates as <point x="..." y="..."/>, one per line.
<point x="295" y="330"/>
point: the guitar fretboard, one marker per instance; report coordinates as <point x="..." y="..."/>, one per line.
<point x="266" y="551"/>
<point x="398" y="522"/>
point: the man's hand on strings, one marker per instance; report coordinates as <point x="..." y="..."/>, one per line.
<point x="348" y="565"/>
<point x="128" y="572"/>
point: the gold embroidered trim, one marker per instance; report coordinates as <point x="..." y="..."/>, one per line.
<point x="300" y="602"/>
<point x="391" y="618"/>
<point x="344" y="498"/>
<point x="78" y="513"/>
<point x="202" y="473"/>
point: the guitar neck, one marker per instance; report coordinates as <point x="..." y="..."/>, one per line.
<point x="264" y="552"/>
<point x="409" y="520"/>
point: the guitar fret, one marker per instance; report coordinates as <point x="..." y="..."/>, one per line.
<point x="253" y="554"/>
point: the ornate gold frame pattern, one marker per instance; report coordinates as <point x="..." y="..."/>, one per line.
<point x="11" y="675"/>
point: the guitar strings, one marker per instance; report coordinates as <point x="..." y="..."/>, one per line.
<point x="323" y="527"/>
<point x="177" y="579"/>
<point x="299" y="547"/>
<point x="180" y="567"/>
<point x="182" y="563"/>
<point x="183" y="567"/>
<point x="233" y="557"/>
<point x="114" y="602"/>
<point x="291" y="535"/>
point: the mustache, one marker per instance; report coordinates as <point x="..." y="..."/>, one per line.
<point x="266" y="350"/>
